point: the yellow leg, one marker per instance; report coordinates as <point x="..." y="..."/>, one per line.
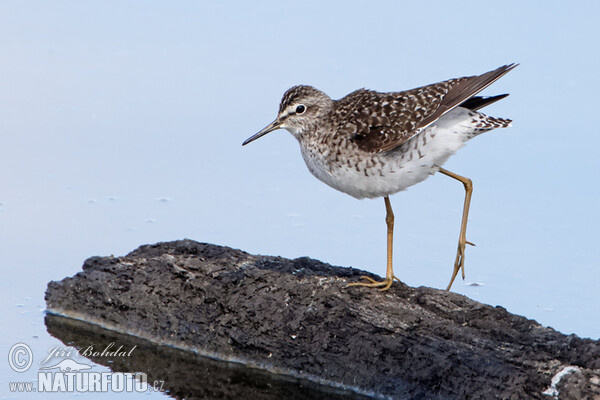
<point x="389" y="276"/>
<point x="459" y="263"/>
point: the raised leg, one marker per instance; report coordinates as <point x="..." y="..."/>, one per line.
<point x="459" y="262"/>
<point x="389" y="276"/>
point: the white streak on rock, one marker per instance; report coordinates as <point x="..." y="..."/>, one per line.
<point x="552" y="390"/>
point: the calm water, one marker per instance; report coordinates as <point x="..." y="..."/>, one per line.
<point x="122" y="125"/>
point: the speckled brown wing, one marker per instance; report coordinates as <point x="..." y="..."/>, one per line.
<point x="379" y="122"/>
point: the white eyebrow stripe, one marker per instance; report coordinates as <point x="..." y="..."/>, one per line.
<point x="289" y="110"/>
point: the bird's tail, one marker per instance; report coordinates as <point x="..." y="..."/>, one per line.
<point x="483" y="123"/>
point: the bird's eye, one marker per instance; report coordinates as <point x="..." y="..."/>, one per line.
<point x="300" y="109"/>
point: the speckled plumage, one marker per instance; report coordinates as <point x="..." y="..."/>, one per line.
<point x="370" y="144"/>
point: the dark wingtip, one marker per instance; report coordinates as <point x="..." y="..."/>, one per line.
<point x="478" y="102"/>
<point x="510" y="67"/>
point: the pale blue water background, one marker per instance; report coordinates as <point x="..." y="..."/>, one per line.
<point x="121" y="124"/>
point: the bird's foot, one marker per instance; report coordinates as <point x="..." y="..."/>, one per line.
<point x="459" y="262"/>
<point x="386" y="283"/>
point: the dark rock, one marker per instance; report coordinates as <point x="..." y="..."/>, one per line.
<point x="297" y="317"/>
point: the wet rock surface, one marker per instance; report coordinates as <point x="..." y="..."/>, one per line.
<point x="297" y="317"/>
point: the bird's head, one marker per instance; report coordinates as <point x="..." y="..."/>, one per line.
<point x="301" y="109"/>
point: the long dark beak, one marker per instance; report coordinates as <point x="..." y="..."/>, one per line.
<point x="269" y="128"/>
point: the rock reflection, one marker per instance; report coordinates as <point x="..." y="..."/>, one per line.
<point x="186" y="375"/>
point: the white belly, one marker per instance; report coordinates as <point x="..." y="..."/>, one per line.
<point x="365" y="175"/>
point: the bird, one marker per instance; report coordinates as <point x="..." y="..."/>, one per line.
<point x="372" y="144"/>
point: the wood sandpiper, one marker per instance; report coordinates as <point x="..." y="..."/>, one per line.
<point x="370" y="144"/>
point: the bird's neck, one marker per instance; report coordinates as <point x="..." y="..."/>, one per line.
<point x="314" y="133"/>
